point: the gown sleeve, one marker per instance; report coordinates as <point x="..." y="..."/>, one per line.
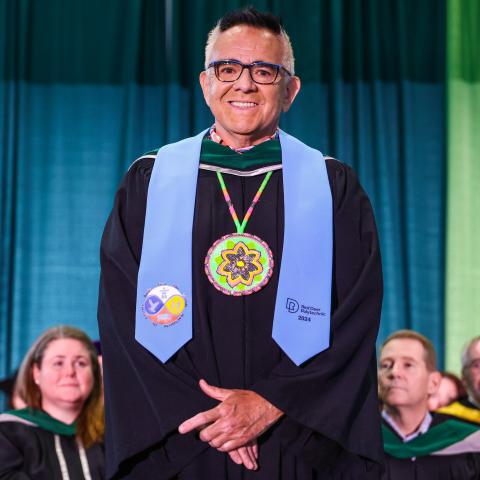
<point x="11" y="458"/>
<point x="149" y="397"/>
<point x="330" y="402"/>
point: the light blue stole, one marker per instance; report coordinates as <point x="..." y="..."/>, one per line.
<point x="301" y="323"/>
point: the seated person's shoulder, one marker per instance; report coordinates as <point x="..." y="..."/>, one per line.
<point x="16" y="432"/>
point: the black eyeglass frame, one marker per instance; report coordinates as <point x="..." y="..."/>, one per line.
<point x="249" y="66"/>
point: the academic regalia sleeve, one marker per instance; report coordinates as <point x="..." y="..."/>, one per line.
<point x="11" y="459"/>
<point x="145" y="400"/>
<point x="334" y="395"/>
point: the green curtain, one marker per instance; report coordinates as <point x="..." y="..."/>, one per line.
<point x="86" y="87"/>
<point x="374" y="95"/>
<point x="463" y="232"/>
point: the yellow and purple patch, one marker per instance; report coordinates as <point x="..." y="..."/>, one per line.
<point x="164" y="305"/>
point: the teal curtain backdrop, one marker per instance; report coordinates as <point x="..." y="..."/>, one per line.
<point x="87" y="86"/>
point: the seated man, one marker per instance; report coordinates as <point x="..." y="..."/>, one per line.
<point x="418" y="444"/>
<point x="468" y="408"/>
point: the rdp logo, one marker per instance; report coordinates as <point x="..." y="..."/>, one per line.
<point x="292" y="305"/>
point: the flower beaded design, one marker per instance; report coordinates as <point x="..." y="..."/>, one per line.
<point x="240" y="265"/>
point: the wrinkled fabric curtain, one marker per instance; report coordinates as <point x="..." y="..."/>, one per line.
<point x="463" y="212"/>
<point x="86" y="87"/>
<point x="374" y="96"/>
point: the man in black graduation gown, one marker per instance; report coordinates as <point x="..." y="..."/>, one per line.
<point x="230" y="404"/>
<point x="420" y="445"/>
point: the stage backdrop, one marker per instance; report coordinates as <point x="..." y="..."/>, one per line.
<point x="86" y="87"/>
<point x="463" y="120"/>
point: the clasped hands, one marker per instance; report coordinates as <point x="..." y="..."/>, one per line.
<point x="234" y="425"/>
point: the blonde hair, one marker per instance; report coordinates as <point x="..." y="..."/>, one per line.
<point x="90" y="422"/>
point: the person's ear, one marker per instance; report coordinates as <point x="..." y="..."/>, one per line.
<point x="36" y="373"/>
<point x="291" y="91"/>
<point x="205" y="84"/>
<point x="434" y="379"/>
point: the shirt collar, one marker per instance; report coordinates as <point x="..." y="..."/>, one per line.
<point x="473" y="402"/>
<point x="215" y="137"/>
<point x="423" y="427"/>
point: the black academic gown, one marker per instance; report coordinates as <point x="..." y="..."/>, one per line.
<point x="331" y="425"/>
<point x="27" y="452"/>
<point x="465" y="466"/>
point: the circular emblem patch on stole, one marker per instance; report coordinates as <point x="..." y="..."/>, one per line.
<point x="239" y="264"/>
<point x="164" y="305"/>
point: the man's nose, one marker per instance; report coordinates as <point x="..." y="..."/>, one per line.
<point x="245" y="82"/>
<point x="395" y="370"/>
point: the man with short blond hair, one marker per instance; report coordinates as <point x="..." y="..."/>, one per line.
<point x="241" y="291"/>
<point x="419" y="444"/>
<point x="428" y="348"/>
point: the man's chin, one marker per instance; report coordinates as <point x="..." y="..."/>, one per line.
<point x="252" y="134"/>
<point x="243" y="129"/>
<point x="396" y="398"/>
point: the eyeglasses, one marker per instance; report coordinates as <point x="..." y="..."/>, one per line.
<point x="263" y="73"/>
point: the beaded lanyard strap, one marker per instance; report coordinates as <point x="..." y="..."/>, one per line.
<point x="239" y="263"/>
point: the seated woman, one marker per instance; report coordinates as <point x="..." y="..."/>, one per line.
<point x="59" y="434"/>
<point x="449" y="390"/>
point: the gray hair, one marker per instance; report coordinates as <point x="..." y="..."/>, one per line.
<point x="288" y="59"/>
<point x="466" y="351"/>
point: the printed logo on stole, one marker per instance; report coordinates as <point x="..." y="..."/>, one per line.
<point x="292" y="305"/>
<point x="164" y="304"/>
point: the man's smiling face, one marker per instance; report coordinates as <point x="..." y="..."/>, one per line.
<point x="246" y="112"/>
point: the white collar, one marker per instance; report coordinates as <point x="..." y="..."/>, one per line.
<point x="423" y="427"/>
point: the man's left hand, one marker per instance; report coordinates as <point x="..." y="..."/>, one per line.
<point x="242" y="416"/>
